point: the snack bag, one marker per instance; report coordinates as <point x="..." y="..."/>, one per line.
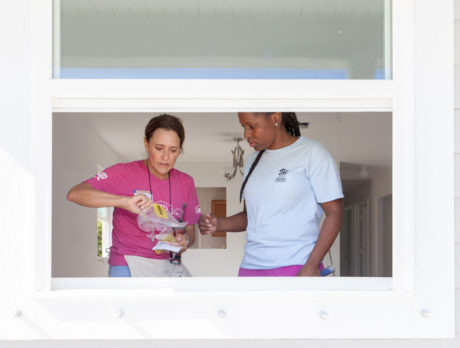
<point x="164" y="237"/>
<point x="160" y="223"/>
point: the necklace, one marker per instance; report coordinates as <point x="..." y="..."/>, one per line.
<point x="150" y="185"/>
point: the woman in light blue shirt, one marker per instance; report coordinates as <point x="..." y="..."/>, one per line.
<point x="290" y="181"/>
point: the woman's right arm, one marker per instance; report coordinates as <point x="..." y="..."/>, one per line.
<point x="236" y="223"/>
<point x="84" y="194"/>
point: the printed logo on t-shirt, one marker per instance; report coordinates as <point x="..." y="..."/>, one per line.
<point x="282" y="175"/>
<point x="101" y="176"/>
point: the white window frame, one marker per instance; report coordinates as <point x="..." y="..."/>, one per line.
<point x="106" y="234"/>
<point x="107" y="226"/>
<point x="417" y="302"/>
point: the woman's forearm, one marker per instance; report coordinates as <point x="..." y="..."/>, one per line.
<point x="234" y="223"/>
<point x="85" y="195"/>
<point x="329" y="231"/>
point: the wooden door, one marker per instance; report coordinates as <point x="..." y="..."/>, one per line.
<point x="219" y="209"/>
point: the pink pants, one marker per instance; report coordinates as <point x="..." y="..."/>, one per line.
<point x="287" y="271"/>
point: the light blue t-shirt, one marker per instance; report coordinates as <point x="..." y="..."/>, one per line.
<point x="282" y="199"/>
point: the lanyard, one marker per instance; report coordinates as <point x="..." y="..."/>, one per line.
<point x="150" y="185"/>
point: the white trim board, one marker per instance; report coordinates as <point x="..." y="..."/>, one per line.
<point x="420" y="303"/>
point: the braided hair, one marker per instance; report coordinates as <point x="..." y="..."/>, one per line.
<point x="290" y="122"/>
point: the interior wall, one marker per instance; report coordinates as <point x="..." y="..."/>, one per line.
<point x="387" y="230"/>
<point x="76" y="154"/>
<point x="359" y="195"/>
<point x="381" y="185"/>
<point x="216" y="262"/>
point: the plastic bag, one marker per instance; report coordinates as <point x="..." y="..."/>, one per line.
<point x="160" y="223"/>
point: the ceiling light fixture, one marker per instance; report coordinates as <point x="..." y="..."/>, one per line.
<point x="238" y="161"/>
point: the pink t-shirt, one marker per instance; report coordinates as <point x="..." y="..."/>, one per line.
<point x="125" y="179"/>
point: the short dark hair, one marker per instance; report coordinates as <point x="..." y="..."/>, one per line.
<point x="167" y="122"/>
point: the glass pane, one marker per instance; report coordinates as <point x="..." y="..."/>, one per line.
<point x="292" y="39"/>
<point x="360" y="142"/>
<point x="102" y="213"/>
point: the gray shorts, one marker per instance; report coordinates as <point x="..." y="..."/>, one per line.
<point x="144" y="267"/>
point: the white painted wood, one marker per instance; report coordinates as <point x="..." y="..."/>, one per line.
<point x="57" y="51"/>
<point x="454" y="343"/>
<point x="403" y="140"/>
<point x="457" y="175"/>
<point x="220" y="95"/>
<point x="388" y="40"/>
<point x="457" y="42"/>
<point x="41" y="149"/>
<point x="157" y="313"/>
<point x="457" y="311"/>
<point x="65" y="314"/>
<point x="457" y="89"/>
<point x="457" y="220"/>
<point x="457" y="269"/>
<point x="429" y="280"/>
<point x="457" y="126"/>
<point x="220" y="284"/>
<point x="294" y="343"/>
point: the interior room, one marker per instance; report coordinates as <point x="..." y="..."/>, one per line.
<point x="85" y="143"/>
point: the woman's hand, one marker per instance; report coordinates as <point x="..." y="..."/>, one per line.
<point x="135" y="204"/>
<point x="327" y="235"/>
<point x="181" y="241"/>
<point x="207" y="224"/>
<point x="309" y="271"/>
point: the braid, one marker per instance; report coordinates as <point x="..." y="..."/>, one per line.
<point x="291" y="123"/>
<point x="254" y="164"/>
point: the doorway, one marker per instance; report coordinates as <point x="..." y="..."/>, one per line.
<point x="354" y="241"/>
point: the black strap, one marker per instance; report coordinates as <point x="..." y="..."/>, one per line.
<point x="150" y="185"/>
<point x="253" y="166"/>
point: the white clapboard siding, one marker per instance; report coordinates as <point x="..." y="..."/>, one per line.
<point x="17" y="195"/>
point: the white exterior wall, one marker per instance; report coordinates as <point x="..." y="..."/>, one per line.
<point x="457" y="163"/>
<point x="16" y="171"/>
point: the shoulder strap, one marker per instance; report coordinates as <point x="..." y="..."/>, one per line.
<point x="254" y="164"/>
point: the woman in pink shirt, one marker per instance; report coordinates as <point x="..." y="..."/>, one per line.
<point x="134" y="186"/>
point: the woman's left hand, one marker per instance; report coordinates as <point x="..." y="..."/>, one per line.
<point x="180" y="241"/>
<point x="309" y="271"/>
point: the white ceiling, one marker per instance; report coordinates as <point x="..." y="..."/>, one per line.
<point x="358" y="138"/>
